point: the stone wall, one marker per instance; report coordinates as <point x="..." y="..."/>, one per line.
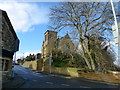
<point x="65" y="71"/>
<point x="34" y="65"/>
<point x="8" y="39"/>
<point x="30" y="64"/>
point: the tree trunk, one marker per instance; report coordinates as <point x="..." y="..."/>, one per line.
<point x="83" y="55"/>
<point x="92" y="60"/>
<point x="87" y="62"/>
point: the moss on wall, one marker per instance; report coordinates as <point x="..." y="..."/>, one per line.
<point x="66" y="71"/>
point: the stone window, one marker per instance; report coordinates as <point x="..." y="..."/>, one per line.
<point x="46" y="37"/>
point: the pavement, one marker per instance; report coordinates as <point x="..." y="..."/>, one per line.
<point x="26" y="78"/>
<point x="16" y="82"/>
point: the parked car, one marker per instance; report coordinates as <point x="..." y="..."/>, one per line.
<point x="16" y="63"/>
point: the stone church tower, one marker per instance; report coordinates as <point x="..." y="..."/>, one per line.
<point x="49" y="43"/>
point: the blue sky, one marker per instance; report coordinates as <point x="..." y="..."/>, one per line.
<point x="31" y="41"/>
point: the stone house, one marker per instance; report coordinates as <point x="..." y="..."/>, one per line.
<point x="52" y="42"/>
<point x="9" y="44"/>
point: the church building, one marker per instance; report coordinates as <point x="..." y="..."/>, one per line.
<point x="52" y="42"/>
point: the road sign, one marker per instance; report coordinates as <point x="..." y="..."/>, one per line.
<point x="51" y="60"/>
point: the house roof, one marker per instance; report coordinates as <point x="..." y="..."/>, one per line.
<point x="66" y="36"/>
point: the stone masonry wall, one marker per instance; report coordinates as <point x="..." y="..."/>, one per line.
<point x="65" y="71"/>
<point x="7" y="36"/>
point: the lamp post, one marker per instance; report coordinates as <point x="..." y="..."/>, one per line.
<point x="116" y="30"/>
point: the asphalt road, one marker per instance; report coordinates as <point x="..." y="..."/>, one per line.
<point x="41" y="80"/>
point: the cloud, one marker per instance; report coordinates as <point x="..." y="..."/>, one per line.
<point x="24" y="16"/>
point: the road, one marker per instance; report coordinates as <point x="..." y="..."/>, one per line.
<point x="41" y="80"/>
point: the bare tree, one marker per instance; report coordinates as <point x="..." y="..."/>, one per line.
<point x="84" y="20"/>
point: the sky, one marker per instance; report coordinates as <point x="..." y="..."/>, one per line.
<point x="29" y="20"/>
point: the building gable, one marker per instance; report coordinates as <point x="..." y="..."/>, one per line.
<point x="10" y="41"/>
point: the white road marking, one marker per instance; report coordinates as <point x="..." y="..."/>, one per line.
<point x="45" y="76"/>
<point x="68" y="77"/>
<point x="65" y="84"/>
<point x="49" y="82"/>
<point x="25" y="72"/>
<point x="41" y="76"/>
<point x="25" y="78"/>
<point x="34" y="73"/>
<point x="37" y="73"/>
<point x="22" y="70"/>
<point x="52" y="75"/>
<point x="84" y="87"/>
<point x="34" y="80"/>
<point x="19" y="69"/>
